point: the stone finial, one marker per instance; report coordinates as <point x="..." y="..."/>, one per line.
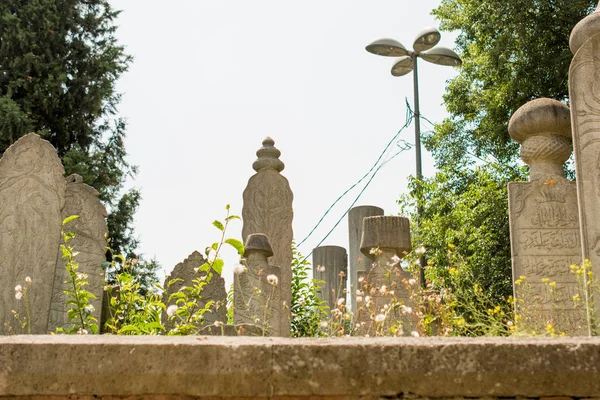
<point x="585" y="29"/>
<point x="388" y="233"/>
<point x="268" y="157"/>
<point x="543" y="128"/>
<point x="258" y="242"/>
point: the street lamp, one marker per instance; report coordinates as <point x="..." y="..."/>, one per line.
<point x="423" y="47"/>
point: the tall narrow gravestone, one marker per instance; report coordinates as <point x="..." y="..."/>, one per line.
<point x="544" y="223"/>
<point x="584" y="93"/>
<point x="330" y="266"/>
<point x="32" y="195"/>
<point x="357" y="261"/>
<point x="268" y="209"/>
<point x="89" y="243"/>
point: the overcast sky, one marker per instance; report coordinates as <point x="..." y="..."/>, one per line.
<point x="211" y="79"/>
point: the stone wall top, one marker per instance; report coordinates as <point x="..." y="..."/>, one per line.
<point x="279" y="367"/>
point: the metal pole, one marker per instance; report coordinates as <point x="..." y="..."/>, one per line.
<point x="417" y="116"/>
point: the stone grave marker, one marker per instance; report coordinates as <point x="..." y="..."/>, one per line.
<point x="385" y="241"/>
<point x="330" y="265"/>
<point x="32" y="196"/>
<point x="268" y="210"/>
<point x="257" y="290"/>
<point x="89" y="243"/>
<point x="544" y="223"/>
<point x="185" y="272"/>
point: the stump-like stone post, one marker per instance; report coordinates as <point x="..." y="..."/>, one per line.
<point x="544" y="223"/>
<point x="357" y="262"/>
<point x="385" y="241"/>
<point x="330" y="265"/>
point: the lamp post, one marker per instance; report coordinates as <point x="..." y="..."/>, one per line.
<point x="423" y="47"/>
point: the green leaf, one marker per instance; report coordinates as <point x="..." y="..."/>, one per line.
<point x="236" y="244"/>
<point x="69" y="219"/>
<point x="218" y="225"/>
<point x="218" y="266"/>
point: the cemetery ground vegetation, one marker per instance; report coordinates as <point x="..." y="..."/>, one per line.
<point x="512" y="52"/>
<point x="59" y="63"/>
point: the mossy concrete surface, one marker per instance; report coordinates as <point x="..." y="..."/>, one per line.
<point x="245" y="367"/>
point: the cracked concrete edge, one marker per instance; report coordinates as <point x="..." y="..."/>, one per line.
<point x="246" y="367"/>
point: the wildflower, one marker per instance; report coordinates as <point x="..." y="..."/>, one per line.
<point x="89" y="308"/>
<point x="238" y="269"/>
<point x="576" y="297"/>
<point x="412" y="281"/>
<point x="28" y="280"/>
<point x="359" y="292"/>
<point x="18" y="292"/>
<point x="340" y="301"/>
<point x="82" y="331"/>
<point x="376" y="251"/>
<point x="394" y="260"/>
<point x="361" y="279"/>
<point x="509" y="323"/>
<point x="342" y="274"/>
<point x="171" y="310"/>
<point x="552" y="284"/>
<point x="384" y="290"/>
<point x="359" y="299"/>
<point x="379" y="318"/>
<point x="545" y="280"/>
<point x="406" y="309"/>
<point x="323" y="324"/>
<point x="218" y="324"/>
<point x="367" y="299"/>
<point x="414" y="334"/>
<point x="272" y="279"/>
<point x="18" y="288"/>
<point x="450" y="245"/>
<point x="320" y="268"/>
<point x="421" y="250"/>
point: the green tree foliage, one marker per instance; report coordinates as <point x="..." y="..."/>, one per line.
<point x="59" y="62"/>
<point x="512" y="52"/>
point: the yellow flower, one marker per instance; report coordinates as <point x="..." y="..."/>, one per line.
<point x="518" y="281"/>
<point x="576" y="297"/>
<point x="552" y="284"/>
<point x="450" y="245"/>
<point x="545" y="280"/>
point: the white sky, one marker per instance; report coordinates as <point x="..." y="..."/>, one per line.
<point x="211" y="79"/>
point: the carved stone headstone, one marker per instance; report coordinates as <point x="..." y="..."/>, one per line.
<point x="584" y="93"/>
<point x="89" y="243"/>
<point x="544" y="223"/>
<point x="357" y="261"/>
<point x="32" y="195"/>
<point x="385" y="241"/>
<point x="184" y="274"/>
<point x="330" y="265"/>
<point x="268" y="209"/>
<point x="257" y="289"/>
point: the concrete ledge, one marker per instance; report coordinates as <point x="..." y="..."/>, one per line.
<point x="246" y="367"/>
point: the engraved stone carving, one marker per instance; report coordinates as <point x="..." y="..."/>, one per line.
<point x="584" y="92"/>
<point x="32" y="195"/>
<point x="357" y="261"/>
<point x="385" y="241"/>
<point x="185" y="273"/>
<point x="89" y="243"/>
<point x="330" y="266"/>
<point x="257" y="289"/>
<point x="544" y="223"/>
<point x="268" y="209"/>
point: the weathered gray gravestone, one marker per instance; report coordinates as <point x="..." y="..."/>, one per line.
<point x="330" y="265"/>
<point x="32" y="195"/>
<point x="257" y="291"/>
<point x="90" y="245"/>
<point x="358" y="262"/>
<point x="544" y="223"/>
<point x="268" y="209"/>
<point x="183" y="275"/>
<point x="385" y="241"/>
<point x="584" y="93"/>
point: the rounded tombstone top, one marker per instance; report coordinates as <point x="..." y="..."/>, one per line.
<point x="258" y="242"/>
<point x="585" y="29"/>
<point x="391" y="233"/>
<point x="268" y="157"/>
<point x="538" y="118"/>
